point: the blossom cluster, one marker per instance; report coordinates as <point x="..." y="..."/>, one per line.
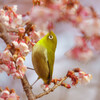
<point x="76" y="75"/>
<point x="22" y="37"/>
<point x="84" y="50"/>
<point x="81" y="51"/>
<point x="12" y="64"/>
<point x="7" y="94"/>
<point x="46" y="13"/>
<point x="9" y="17"/>
<point x="80" y="77"/>
<point x="43" y="16"/>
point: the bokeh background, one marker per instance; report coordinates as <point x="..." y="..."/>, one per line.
<point x="65" y="34"/>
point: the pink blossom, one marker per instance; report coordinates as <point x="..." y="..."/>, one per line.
<point x="13" y="36"/>
<point x="12" y="67"/>
<point x="3" y="17"/>
<point x="19" y="74"/>
<point x="95" y="41"/>
<point x="7" y="95"/>
<point x="41" y="16"/>
<point x="36" y="35"/>
<point x="90" y="27"/>
<point x="80" y="41"/>
<point x="1" y="99"/>
<point x="10" y="18"/>
<point x="15" y="43"/>
<point x="13" y="96"/>
<point x="16" y="75"/>
<point x="84" y="12"/>
<point x="86" y="56"/>
<point x="4" y="68"/>
<point x="4" y="94"/>
<point x="19" y="61"/>
<point x="6" y="56"/>
<point x="23" y="69"/>
<point x="82" y="54"/>
<point x="73" y="10"/>
<point x="16" y="21"/>
<point x="23" y="48"/>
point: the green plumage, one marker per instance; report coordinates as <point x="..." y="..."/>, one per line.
<point x="43" y="55"/>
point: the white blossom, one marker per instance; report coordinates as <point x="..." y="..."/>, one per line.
<point x="4" y="93"/>
<point x="14" y="8"/>
<point x="23" y="48"/>
<point x="19" y="61"/>
<point x="4" y="68"/>
<point x="6" y="55"/>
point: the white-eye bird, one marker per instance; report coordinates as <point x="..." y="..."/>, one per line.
<point x="43" y="56"/>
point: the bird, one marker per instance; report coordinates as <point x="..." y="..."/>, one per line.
<point x="43" y="57"/>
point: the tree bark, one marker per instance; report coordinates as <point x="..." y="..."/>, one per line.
<point x="27" y="88"/>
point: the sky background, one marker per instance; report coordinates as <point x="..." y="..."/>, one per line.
<point x="65" y="35"/>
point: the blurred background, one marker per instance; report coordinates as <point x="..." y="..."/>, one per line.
<point x="65" y="35"/>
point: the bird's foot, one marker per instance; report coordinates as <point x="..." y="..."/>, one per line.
<point x="45" y="87"/>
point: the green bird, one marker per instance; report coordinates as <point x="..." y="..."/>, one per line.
<point x="43" y="56"/>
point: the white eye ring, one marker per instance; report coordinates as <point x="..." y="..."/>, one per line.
<point x="50" y="37"/>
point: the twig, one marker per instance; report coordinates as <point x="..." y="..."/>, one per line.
<point x="51" y="89"/>
<point x="30" y="68"/>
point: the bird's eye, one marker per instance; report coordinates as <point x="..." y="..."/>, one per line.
<point x="50" y="37"/>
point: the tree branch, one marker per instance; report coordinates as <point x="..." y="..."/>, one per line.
<point x="27" y="88"/>
<point x="51" y="89"/>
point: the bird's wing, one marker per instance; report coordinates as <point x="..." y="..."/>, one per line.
<point x="40" y="59"/>
<point x="51" y="57"/>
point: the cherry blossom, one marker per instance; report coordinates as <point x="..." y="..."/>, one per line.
<point x="8" y="95"/>
<point x="81" y="51"/>
<point x="6" y="56"/>
<point x="42" y="16"/>
<point x="10" y="18"/>
<point x="84" y="78"/>
<point x="90" y="27"/>
<point x="95" y="41"/>
<point x="22" y="46"/>
<point x="19" y="61"/>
